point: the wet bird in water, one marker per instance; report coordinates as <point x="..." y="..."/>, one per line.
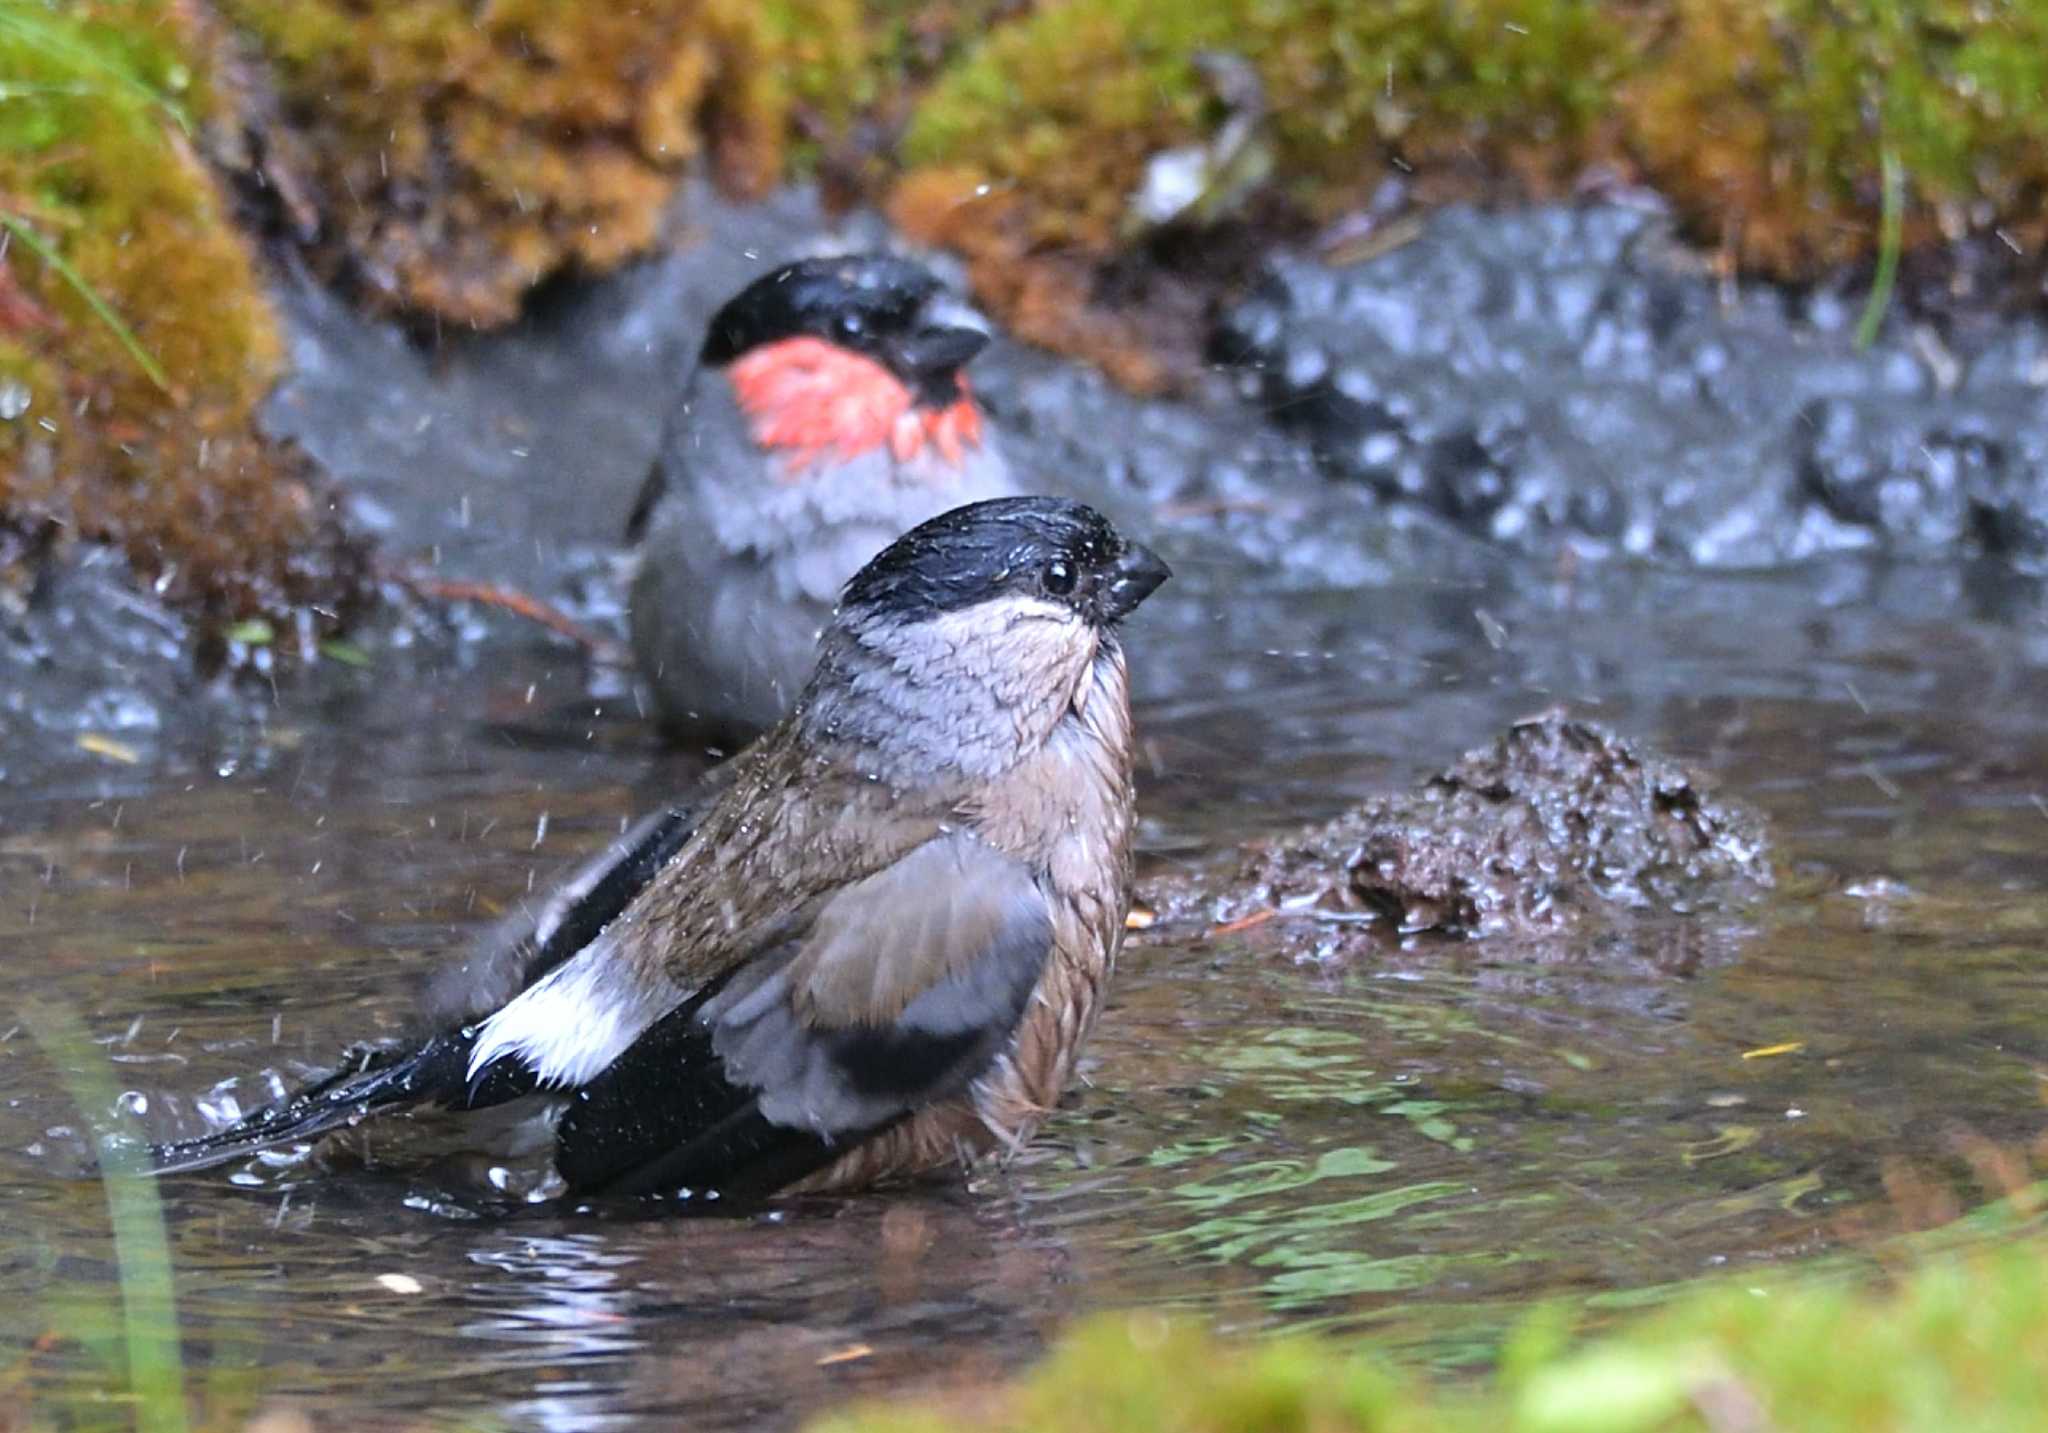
<point x="881" y="946"/>
<point x="827" y="414"/>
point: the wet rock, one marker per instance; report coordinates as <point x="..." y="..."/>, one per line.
<point x="2009" y="511"/>
<point x="1569" y="378"/>
<point x="1557" y="820"/>
<point x="87" y="667"/>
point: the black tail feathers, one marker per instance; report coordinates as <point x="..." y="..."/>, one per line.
<point x="436" y="1072"/>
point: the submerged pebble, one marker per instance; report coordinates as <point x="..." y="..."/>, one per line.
<point x="1569" y="377"/>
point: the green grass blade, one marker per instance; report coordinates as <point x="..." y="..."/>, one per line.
<point x="57" y="40"/>
<point x="1890" y="234"/>
<point x="156" y="1372"/>
<point x="35" y="244"/>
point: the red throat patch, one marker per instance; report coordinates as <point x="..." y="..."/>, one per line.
<point x="812" y="400"/>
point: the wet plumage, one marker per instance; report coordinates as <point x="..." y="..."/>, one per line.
<point x="879" y="946"/>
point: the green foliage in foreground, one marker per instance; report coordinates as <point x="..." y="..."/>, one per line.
<point x="1961" y="1343"/>
<point x="146" y="1340"/>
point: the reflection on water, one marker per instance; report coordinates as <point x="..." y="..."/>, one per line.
<point x="1420" y="1143"/>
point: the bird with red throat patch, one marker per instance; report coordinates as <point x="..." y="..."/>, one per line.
<point x="828" y="413"/>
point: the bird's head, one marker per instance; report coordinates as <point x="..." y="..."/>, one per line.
<point x="1008" y="561"/>
<point x="973" y="635"/>
<point x="834" y="357"/>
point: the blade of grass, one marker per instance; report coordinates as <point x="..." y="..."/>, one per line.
<point x="156" y="1373"/>
<point x="54" y="39"/>
<point x="35" y="244"/>
<point x="1891" y="229"/>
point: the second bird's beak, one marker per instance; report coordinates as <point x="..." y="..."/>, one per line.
<point x="1135" y="577"/>
<point x="937" y="352"/>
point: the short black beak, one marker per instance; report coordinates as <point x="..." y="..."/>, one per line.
<point x="936" y="353"/>
<point x="1135" y="577"/>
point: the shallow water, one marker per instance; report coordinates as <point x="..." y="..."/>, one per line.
<point x="1419" y="1143"/>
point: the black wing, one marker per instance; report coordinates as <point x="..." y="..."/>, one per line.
<point x="527" y="946"/>
<point x="665" y="1119"/>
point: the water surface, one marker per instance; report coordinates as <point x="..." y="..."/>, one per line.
<point x="1419" y="1142"/>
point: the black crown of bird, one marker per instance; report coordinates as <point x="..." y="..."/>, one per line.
<point x="879" y="943"/>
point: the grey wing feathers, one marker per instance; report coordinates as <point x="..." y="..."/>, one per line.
<point x="905" y="987"/>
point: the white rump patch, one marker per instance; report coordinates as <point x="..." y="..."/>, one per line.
<point x="569" y="1026"/>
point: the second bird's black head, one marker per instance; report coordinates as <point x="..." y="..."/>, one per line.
<point x="886" y="308"/>
<point x="1049" y="549"/>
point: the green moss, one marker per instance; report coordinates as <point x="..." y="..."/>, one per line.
<point x="1765" y="120"/>
<point x="1070" y="102"/>
<point x="1769" y="122"/>
<point x="829" y="59"/>
<point x="1025" y="153"/>
<point x="133" y="323"/>
<point x="846" y="71"/>
<point x="1962" y="1343"/>
<point x="81" y="163"/>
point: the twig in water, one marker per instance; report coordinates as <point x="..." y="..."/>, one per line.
<point x="520" y="604"/>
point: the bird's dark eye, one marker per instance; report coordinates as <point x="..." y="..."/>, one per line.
<point x="850" y="325"/>
<point x="1059" y="578"/>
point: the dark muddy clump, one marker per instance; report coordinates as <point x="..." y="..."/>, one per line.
<point x="1557" y="819"/>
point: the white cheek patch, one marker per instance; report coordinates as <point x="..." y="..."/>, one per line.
<point x="1014" y="610"/>
<point x="1026" y="638"/>
<point x="567" y="1028"/>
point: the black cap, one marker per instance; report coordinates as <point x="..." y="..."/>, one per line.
<point x="1051" y="549"/>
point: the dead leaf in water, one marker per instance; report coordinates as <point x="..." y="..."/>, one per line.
<point x="111" y="749"/>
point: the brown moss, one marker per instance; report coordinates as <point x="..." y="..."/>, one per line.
<point x="461" y="153"/>
<point x="1045" y="297"/>
<point x="96" y="172"/>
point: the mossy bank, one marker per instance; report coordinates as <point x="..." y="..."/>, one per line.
<point x="439" y="161"/>
<point x="1771" y="127"/>
<point x="136" y="338"/>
